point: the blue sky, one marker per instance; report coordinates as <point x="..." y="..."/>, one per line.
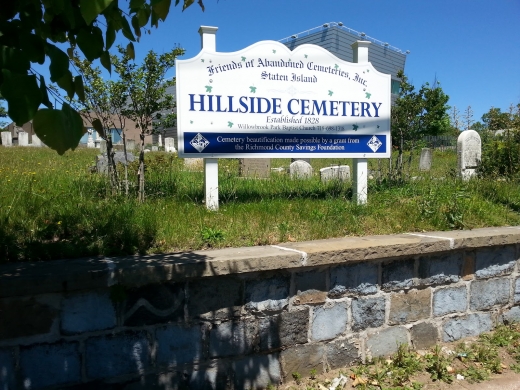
<point x="473" y="46"/>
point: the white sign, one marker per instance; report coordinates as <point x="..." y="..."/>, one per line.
<point x="269" y="101"/>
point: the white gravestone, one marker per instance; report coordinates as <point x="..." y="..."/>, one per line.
<point x="300" y="170"/>
<point x="130" y="145"/>
<point x="7" y="138"/>
<point x="23" y="138"/>
<point x="336" y="172"/>
<point x="103" y="146"/>
<point x="469" y="153"/>
<point x="425" y="161"/>
<point x="160" y="140"/>
<point x="90" y="140"/>
<point x="36" y="141"/>
<point x="169" y="145"/>
<point x="193" y="164"/>
<point x="155" y="148"/>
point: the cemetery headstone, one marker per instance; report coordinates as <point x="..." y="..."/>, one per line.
<point x="90" y="140"/>
<point x="36" y="141"/>
<point x="336" y="172"/>
<point x="254" y="167"/>
<point x="169" y="145"/>
<point x="130" y="145"/>
<point x="300" y="170"/>
<point x="425" y="161"/>
<point x="155" y="148"/>
<point x="23" y="138"/>
<point x="7" y="138"/>
<point x="119" y="158"/>
<point x="469" y="153"/>
<point x="160" y="140"/>
<point x="103" y="147"/>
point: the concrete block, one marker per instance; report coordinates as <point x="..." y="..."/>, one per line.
<point x="178" y="345"/>
<point x="215" y="298"/>
<point x="398" y="274"/>
<point x="441" y="269"/>
<point x="410" y="306"/>
<point x="368" y="313"/>
<point x="50" y="365"/>
<point x="386" y="341"/>
<point x="466" y="326"/>
<point x="87" y="312"/>
<point x="233" y="338"/>
<point x="286" y="329"/>
<point x="7" y="365"/>
<point x="517" y="291"/>
<point x="495" y="262"/>
<point x="267" y="295"/>
<point x="512" y="315"/>
<point x="329" y="322"/>
<point x="341" y="353"/>
<point x="360" y="278"/>
<point x="257" y="372"/>
<point x="23" y="317"/>
<point x="119" y="354"/>
<point x="154" y="304"/>
<point x="424" y="335"/>
<point x="302" y="359"/>
<point x="450" y="300"/>
<point x="484" y="294"/>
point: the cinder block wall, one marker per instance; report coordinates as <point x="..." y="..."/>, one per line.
<point x="247" y="317"/>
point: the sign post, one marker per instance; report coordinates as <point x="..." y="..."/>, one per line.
<point x="267" y="101"/>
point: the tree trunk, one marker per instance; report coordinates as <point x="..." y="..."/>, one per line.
<point x="126" y="162"/>
<point x="112" y="171"/>
<point x="141" y="170"/>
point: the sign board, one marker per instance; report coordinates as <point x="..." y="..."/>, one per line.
<point x="269" y="101"/>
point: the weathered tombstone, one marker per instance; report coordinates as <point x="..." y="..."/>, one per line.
<point x="254" y="167"/>
<point x="130" y="145"/>
<point x="300" y="170"/>
<point x="155" y="148"/>
<point x="160" y="140"/>
<point x="469" y="153"/>
<point x="103" y="147"/>
<point x="425" y="161"/>
<point x="90" y="140"/>
<point x="119" y="158"/>
<point x="36" y="141"/>
<point x="193" y="164"/>
<point x="169" y="145"/>
<point x="301" y="159"/>
<point x="23" y="138"/>
<point x="7" y="138"/>
<point x="335" y="172"/>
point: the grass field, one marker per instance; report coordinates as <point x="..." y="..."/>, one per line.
<point x="53" y="207"/>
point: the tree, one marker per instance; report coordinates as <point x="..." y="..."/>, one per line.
<point x="33" y="30"/>
<point x="455" y="120"/>
<point x="468" y="118"/>
<point x="147" y="97"/>
<point x="416" y="114"/>
<point x="495" y="119"/>
<point x="102" y="106"/>
<point x="3" y="112"/>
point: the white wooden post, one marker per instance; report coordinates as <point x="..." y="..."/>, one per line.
<point x="208" y="42"/>
<point x="360" y="165"/>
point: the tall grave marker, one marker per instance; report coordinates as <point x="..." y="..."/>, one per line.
<point x="469" y="153"/>
<point x="267" y="101"/>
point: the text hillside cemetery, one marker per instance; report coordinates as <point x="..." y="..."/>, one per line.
<point x="269" y="101"/>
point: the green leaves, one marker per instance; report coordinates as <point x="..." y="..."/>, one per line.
<point x="22" y="94"/>
<point x="162" y="7"/>
<point x="59" y="129"/>
<point x="90" y="42"/>
<point x="90" y="9"/>
<point x="59" y="62"/>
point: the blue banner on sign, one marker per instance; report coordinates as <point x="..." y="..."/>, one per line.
<point x="254" y="143"/>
